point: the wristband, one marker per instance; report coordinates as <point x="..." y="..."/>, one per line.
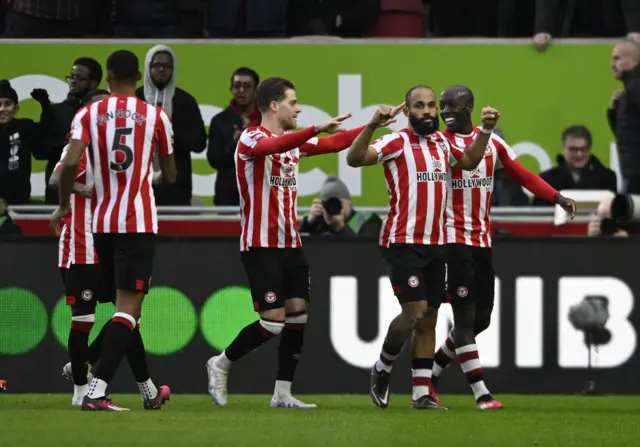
<point x="486" y="131"/>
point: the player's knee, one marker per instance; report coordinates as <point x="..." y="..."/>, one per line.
<point x="274" y="314"/>
<point x="273" y="327"/>
<point x="83" y="308"/>
<point x="482" y="323"/>
<point x="295" y="305"/>
<point x="414" y="312"/>
<point x="83" y="322"/>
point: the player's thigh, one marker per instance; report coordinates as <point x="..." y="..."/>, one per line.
<point x="434" y="274"/>
<point x="486" y="283"/>
<point x="405" y="273"/>
<point x="105" y="248"/>
<point x="296" y="280"/>
<point x="133" y="261"/>
<point x="265" y="277"/>
<point x="83" y="284"/>
<point x="461" y="274"/>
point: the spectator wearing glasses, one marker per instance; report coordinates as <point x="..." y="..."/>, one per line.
<point x="55" y="120"/>
<point x="224" y="131"/>
<point x="577" y="167"/>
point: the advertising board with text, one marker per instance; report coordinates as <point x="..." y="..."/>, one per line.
<point x="538" y="95"/>
<point x="199" y="301"/>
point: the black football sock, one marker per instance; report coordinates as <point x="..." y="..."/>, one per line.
<point x="137" y="357"/>
<point x="251" y="337"/>
<point x="78" y="341"/>
<point x="114" y="348"/>
<point x="290" y="347"/>
<point x="95" y="348"/>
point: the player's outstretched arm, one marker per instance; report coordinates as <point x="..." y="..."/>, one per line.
<point x="168" y="171"/>
<point x="475" y="152"/>
<point x="328" y="145"/>
<point x="254" y="143"/>
<point x="536" y="185"/>
<point x="361" y="152"/>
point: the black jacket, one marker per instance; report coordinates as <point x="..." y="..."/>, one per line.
<point x="593" y="176"/>
<point x="146" y="12"/>
<point x="8" y="226"/>
<point x="19" y="140"/>
<point x="358" y="224"/>
<point x="507" y="191"/>
<point x="568" y="18"/>
<point x="624" y="120"/>
<point x="55" y="125"/>
<point x="220" y="155"/>
<point x="189" y="135"/>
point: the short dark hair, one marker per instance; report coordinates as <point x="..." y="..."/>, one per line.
<point x="94" y="67"/>
<point x="245" y="71"/>
<point x="272" y="89"/>
<point x="88" y="98"/>
<point x="577" y="131"/>
<point x="412" y="89"/>
<point x="124" y="65"/>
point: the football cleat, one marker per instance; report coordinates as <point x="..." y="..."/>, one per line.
<point x="289" y="402"/>
<point x="100" y="404"/>
<point x="164" y="394"/>
<point x="379" y="387"/>
<point x="217" y="382"/>
<point x="426" y="402"/>
<point x="489" y="405"/>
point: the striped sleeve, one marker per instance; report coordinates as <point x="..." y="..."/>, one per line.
<point x="80" y="126"/>
<point x="388" y="147"/>
<point x="164" y="131"/>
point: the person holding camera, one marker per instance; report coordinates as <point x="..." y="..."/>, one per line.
<point x="333" y="214"/>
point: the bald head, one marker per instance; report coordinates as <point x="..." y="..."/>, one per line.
<point x="625" y="57"/>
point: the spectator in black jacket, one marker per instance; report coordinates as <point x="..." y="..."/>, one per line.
<point x="577" y="167"/>
<point x="55" y="120"/>
<point x="224" y="131"/>
<point x="189" y="134"/>
<point x="19" y="140"/>
<point x="624" y="113"/>
<point x="146" y="18"/>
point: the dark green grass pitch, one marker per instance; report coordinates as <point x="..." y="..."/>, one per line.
<point x="344" y="420"/>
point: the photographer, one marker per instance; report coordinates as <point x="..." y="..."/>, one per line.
<point x="601" y="223"/>
<point x="333" y="214"/>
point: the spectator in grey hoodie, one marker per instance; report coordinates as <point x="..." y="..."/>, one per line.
<point x="188" y="127"/>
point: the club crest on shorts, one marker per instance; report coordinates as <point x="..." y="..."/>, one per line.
<point x="462" y="291"/>
<point x="270" y="297"/>
<point x="413" y="281"/>
<point x="87" y="295"/>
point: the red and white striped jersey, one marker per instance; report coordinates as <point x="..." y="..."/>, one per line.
<point x="123" y="133"/>
<point x="470" y="192"/>
<point x="415" y="170"/>
<point x="75" y="245"/>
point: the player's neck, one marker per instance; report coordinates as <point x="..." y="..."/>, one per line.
<point x="467" y="129"/>
<point x="123" y="90"/>
<point x="272" y="125"/>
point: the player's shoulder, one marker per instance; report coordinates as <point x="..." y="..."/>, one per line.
<point x="254" y="133"/>
<point x="395" y="137"/>
<point x="498" y="141"/>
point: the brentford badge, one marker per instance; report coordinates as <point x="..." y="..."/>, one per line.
<point x="270" y="297"/>
<point x="87" y="295"/>
<point x="462" y="291"/>
<point x="413" y="281"/>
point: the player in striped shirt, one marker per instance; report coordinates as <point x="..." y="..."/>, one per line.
<point x="416" y="164"/>
<point x="267" y="160"/>
<point x="471" y="278"/>
<point x="122" y="134"/>
<point x="83" y="283"/>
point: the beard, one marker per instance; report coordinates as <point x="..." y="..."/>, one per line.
<point x="422" y="127"/>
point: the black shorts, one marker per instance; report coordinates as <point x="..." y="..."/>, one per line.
<point x="126" y="260"/>
<point x="416" y="272"/>
<point x="276" y="275"/>
<point x="83" y="287"/>
<point x="470" y="275"/>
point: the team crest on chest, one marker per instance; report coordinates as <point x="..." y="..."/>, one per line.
<point x="437" y="163"/>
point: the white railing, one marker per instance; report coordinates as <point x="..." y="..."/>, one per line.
<point x="498" y="214"/>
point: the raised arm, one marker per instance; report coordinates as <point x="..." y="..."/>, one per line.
<point x="475" y="152"/>
<point x="362" y="152"/>
<point x="328" y="145"/>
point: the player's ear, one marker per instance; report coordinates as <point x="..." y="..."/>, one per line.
<point x="138" y="77"/>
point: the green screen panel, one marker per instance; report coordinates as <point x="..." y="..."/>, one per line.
<point x="23" y="320"/>
<point x="168" y="322"/>
<point x="224" y="314"/>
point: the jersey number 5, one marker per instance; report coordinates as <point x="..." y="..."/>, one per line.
<point x="123" y="155"/>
